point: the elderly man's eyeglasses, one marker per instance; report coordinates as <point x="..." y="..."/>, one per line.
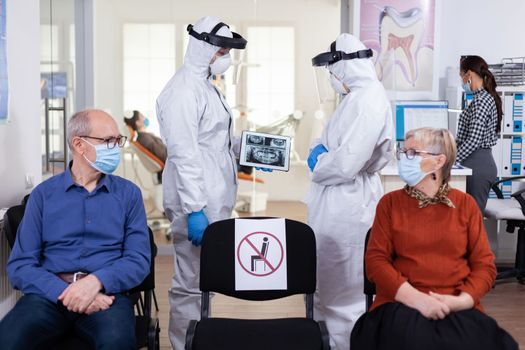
<point x="111" y="142"/>
<point x="411" y="153"/>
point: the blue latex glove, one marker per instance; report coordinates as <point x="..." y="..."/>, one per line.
<point x="264" y="169"/>
<point x="316" y="152"/>
<point x="197" y="223"/>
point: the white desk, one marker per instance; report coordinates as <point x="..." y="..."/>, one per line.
<point x="391" y="181"/>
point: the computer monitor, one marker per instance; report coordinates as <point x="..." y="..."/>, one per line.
<point x="417" y="114"/>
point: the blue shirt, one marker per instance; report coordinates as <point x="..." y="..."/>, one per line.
<point x="67" y="229"/>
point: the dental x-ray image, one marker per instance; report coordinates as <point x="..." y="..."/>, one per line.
<point x="265" y="150"/>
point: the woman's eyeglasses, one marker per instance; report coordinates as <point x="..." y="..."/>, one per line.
<point x="411" y="153"/>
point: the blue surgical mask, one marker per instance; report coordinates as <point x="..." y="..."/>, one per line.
<point x="146" y="122"/>
<point x="410" y="170"/>
<point x="466" y="88"/>
<point x="107" y="160"/>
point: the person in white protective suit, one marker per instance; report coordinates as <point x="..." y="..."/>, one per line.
<point x="200" y="178"/>
<point x="355" y="144"/>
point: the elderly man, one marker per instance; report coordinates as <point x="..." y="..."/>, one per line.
<point x="83" y="242"/>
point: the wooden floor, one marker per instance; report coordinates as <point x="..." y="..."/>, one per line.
<point x="506" y="302"/>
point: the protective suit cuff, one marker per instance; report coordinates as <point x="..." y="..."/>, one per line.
<point x="192" y="208"/>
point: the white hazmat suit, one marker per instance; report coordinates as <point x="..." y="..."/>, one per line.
<point x="200" y="173"/>
<point x="345" y="190"/>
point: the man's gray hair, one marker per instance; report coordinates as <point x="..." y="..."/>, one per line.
<point x="78" y="125"/>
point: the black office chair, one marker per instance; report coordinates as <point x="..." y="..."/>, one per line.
<point x="369" y="288"/>
<point x="217" y="274"/>
<point x="147" y="327"/>
<point x="512" y="210"/>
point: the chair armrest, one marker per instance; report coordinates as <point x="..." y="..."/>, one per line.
<point x="496" y="189"/>
<point x="190" y="333"/>
<point x="325" y="337"/>
<point x="518" y="196"/>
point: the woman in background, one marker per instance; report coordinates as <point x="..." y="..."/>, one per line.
<point x="478" y="127"/>
<point x="151" y="142"/>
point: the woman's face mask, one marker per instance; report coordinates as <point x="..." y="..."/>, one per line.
<point x="466" y="84"/>
<point x="410" y="169"/>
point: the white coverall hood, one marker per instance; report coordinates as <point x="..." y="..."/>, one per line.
<point x="354" y="73"/>
<point x="199" y="53"/>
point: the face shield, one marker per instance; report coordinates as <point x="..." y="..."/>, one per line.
<point x="234" y="73"/>
<point x="325" y="93"/>
<point x="235" y="42"/>
<point x="322" y="75"/>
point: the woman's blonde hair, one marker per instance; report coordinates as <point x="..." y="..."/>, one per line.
<point x="437" y="141"/>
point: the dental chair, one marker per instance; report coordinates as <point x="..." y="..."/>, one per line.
<point x="153" y="165"/>
<point x="150" y="161"/>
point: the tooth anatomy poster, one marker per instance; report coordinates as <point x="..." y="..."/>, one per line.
<point x="401" y="34"/>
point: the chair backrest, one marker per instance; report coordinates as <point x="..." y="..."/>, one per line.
<point x="150" y="161"/>
<point x="217" y="272"/>
<point x="12" y="219"/>
<point x="369" y="288"/>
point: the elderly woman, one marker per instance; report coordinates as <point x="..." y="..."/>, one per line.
<point x="429" y="257"/>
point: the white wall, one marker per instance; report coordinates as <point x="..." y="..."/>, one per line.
<point x="316" y="25"/>
<point x="20" y="138"/>
<point x="487" y="28"/>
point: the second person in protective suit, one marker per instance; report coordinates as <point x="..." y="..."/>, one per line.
<point x="355" y="144"/>
<point x="200" y="177"/>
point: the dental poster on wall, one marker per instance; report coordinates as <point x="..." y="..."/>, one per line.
<point x="260" y="254"/>
<point x="401" y="34"/>
<point x="3" y="64"/>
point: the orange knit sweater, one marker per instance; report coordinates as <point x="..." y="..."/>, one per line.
<point x="436" y="248"/>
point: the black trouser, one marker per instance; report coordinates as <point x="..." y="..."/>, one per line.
<point x="484" y="173"/>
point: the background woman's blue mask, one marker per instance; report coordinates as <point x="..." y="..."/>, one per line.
<point x="466" y="88"/>
<point x="146" y="122"/>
